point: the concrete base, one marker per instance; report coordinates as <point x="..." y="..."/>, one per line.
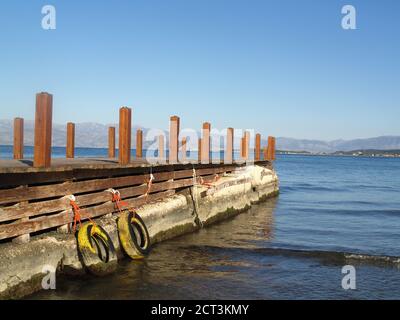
<point x="23" y="266"/>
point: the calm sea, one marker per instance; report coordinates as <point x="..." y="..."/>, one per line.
<point x="331" y="212"/>
<point x="6" y="152"/>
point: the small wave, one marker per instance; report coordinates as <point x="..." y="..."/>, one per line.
<point x="374" y="187"/>
<point x="328" y="257"/>
<point x="372" y="258"/>
<point x="355" y="212"/>
<point x="290" y="186"/>
<point x="312" y="188"/>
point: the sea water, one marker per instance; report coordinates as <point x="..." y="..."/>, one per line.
<point x="331" y="212"/>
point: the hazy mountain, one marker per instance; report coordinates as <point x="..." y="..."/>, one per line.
<point x="379" y="143"/>
<point x="88" y="134"/>
<point x="96" y="135"/>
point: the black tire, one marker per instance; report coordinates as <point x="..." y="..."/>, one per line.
<point x="133" y="235"/>
<point x="97" y="250"/>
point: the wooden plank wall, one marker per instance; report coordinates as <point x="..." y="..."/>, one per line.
<point x="39" y="207"/>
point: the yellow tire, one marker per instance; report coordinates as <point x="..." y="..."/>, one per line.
<point x="97" y="250"/>
<point x="133" y="235"/>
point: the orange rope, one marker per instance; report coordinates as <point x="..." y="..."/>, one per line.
<point x="116" y="197"/>
<point x="119" y="203"/>
<point x="77" y="215"/>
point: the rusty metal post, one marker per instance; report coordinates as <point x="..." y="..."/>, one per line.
<point x="125" y="135"/>
<point x="173" y="139"/>
<point x="265" y="151"/>
<point x="247" y="145"/>
<point x="18" y="138"/>
<point x="242" y="147"/>
<point x="111" y="142"/>
<point x="273" y="151"/>
<point x="257" y="149"/>
<point x="43" y="130"/>
<point x="269" y="149"/>
<point x="70" y="150"/>
<point x="205" y="143"/>
<point x="229" y="146"/>
<point x="161" y="146"/>
<point x="183" y="149"/>
<point x="199" y="151"/>
<point x="139" y="144"/>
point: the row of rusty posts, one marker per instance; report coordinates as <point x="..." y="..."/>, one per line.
<point x="43" y="138"/>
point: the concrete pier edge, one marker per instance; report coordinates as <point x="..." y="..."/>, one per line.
<point x="21" y="265"/>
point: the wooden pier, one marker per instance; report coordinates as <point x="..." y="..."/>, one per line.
<point x="35" y="194"/>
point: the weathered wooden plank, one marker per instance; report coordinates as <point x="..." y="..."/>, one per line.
<point x="25" y="238"/>
<point x="63" y="189"/>
<point x="66" y="188"/>
<point x="208" y="171"/>
<point x="43" y="223"/>
<point x="79" y="169"/>
<point x="58" y="190"/>
<point x="12" y="180"/>
<point x="46" y="207"/>
<point x="9" y="180"/>
<point x="220" y="186"/>
<point x="24" y="226"/>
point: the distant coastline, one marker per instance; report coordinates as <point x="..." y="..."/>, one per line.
<point x="59" y="152"/>
<point x="96" y="135"/>
<point x="373" y="153"/>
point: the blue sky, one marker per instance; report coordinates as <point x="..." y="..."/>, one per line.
<point x="284" y="68"/>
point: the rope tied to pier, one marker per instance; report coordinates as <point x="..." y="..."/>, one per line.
<point x="149" y="183"/>
<point x="116" y="198"/>
<point x="77" y="213"/>
<point x="119" y="203"/>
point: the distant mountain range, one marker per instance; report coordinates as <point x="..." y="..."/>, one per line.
<point x="96" y="136"/>
<point x="89" y="135"/>
<point x="316" y="146"/>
